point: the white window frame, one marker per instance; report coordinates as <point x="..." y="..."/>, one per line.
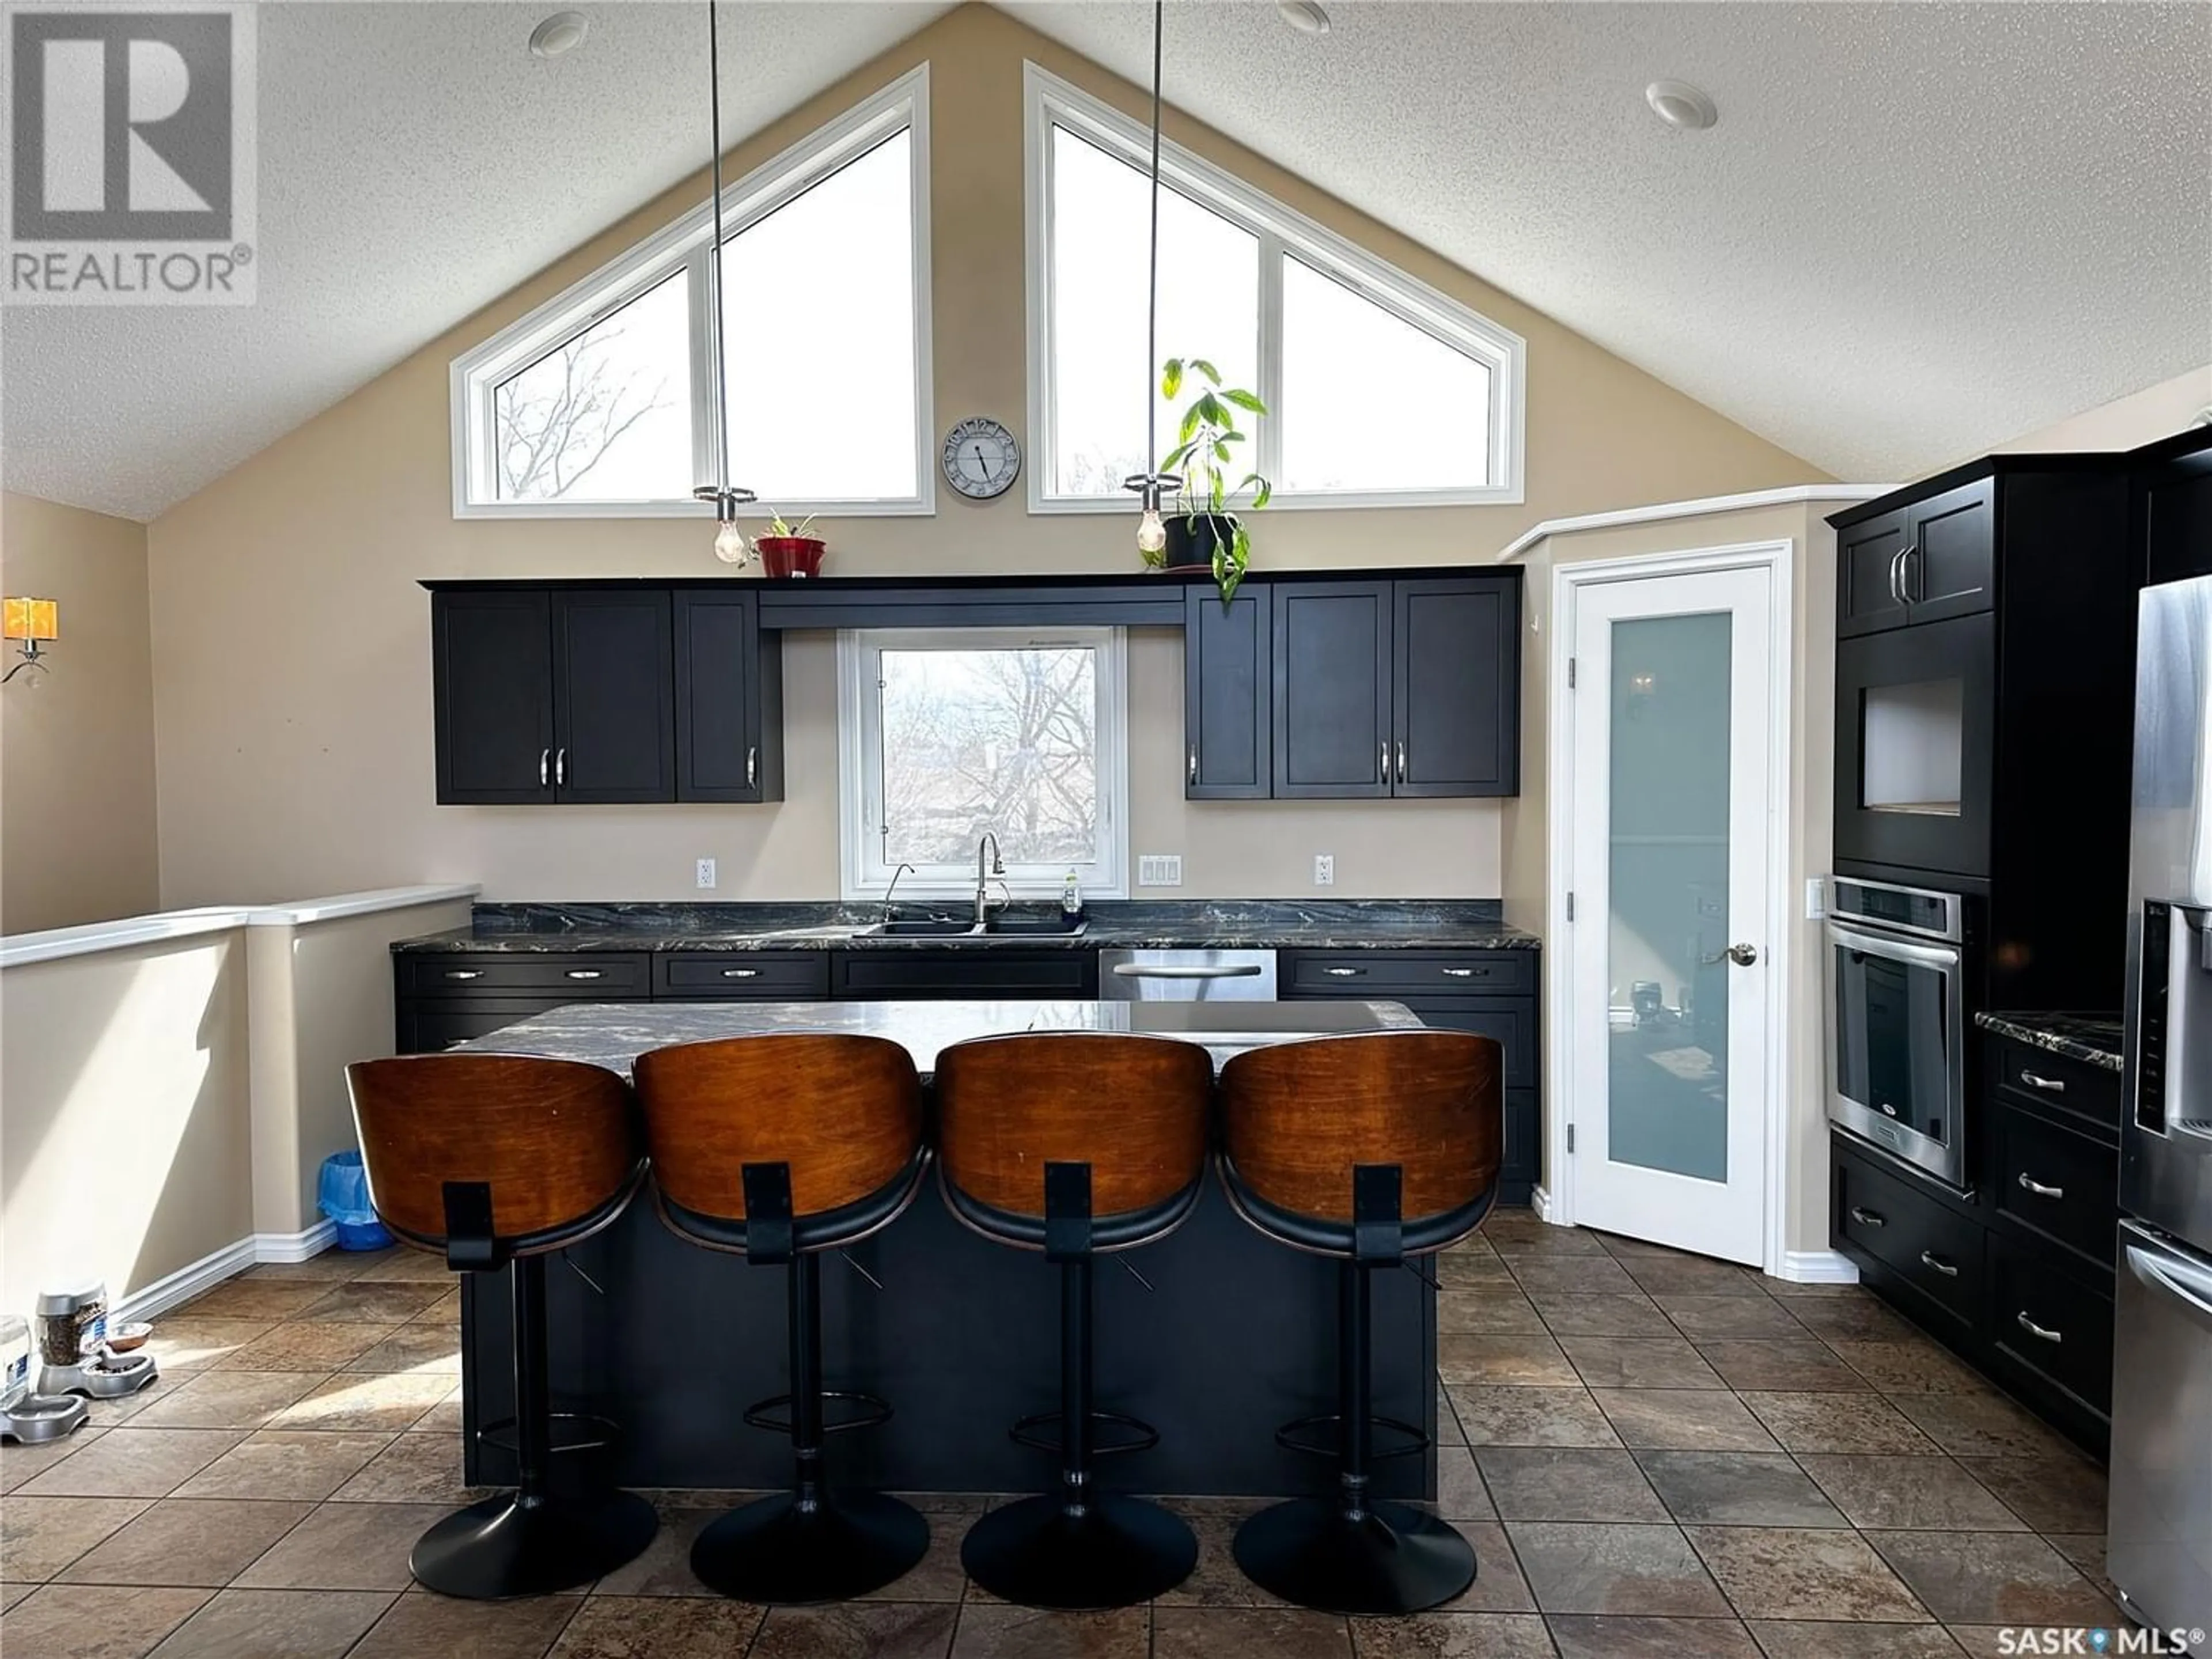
<point x="477" y="373"/>
<point x="865" y="875"/>
<point x="1283" y="232"/>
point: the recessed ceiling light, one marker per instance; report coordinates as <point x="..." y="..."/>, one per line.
<point x="1682" y="105"/>
<point x="559" y="34"/>
<point x="1306" y="16"/>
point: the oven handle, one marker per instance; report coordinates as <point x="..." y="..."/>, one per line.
<point x="1896" y="949"/>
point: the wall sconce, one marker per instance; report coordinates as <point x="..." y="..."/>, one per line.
<point x="31" y="624"/>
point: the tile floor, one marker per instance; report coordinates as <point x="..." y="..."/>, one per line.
<point x="1653" y="1453"/>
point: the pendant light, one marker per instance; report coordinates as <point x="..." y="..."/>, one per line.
<point x="730" y="544"/>
<point x="1151" y="485"/>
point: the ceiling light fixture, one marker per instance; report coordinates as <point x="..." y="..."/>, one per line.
<point x="559" y="34"/>
<point x="1151" y="484"/>
<point x="730" y="544"/>
<point x="1306" y="16"/>
<point x="1682" y="105"/>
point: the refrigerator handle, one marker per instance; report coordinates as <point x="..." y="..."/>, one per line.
<point x="2190" y="1287"/>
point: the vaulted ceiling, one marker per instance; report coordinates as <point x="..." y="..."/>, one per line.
<point x="1916" y="232"/>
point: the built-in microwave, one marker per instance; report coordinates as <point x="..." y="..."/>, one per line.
<point x="1897" y="1018"/>
<point x="1915" y="726"/>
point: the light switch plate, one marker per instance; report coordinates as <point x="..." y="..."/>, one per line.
<point x="1159" y="869"/>
<point x="1324" y="869"/>
<point x="706" y="877"/>
<point x="1816" y="898"/>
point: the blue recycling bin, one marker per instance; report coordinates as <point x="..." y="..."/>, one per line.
<point x="341" y="1193"/>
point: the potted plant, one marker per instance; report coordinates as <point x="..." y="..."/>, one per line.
<point x="1203" y="532"/>
<point x="785" y="549"/>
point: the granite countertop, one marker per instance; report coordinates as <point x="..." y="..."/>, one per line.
<point x="1119" y="924"/>
<point x="614" y="1034"/>
<point x="2094" y="1039"/>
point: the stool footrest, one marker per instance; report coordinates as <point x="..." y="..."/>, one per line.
<point x="774" y="1413"/>
<point x="593" y="1433"/>
<point x="1140" y="1435"/>
<point x="1292" y="1437"/>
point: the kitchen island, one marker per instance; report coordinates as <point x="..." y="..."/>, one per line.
<point x="1224" y="1336"/>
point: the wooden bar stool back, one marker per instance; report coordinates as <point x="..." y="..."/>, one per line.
<point x="778" y="1147"/>
<point x="494" y="1161"/>
<point x="1370" y="1148"/>
<point x="1073" y="1143"/>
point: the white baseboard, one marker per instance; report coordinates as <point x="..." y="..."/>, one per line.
<point x="1817" y="1267"/>
<point x="296" y="1247"/>
<point x="211" y="1270"/>
<point x="1539" y="1200"/>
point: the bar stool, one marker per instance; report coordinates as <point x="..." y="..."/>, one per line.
<point x="496" y="1161"/>
<point x="1075" y="1142"/>
<point x="778" y="1147"/>
<point x="1368" y="1148"/>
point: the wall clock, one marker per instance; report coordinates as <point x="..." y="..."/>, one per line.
<point x="980" y="458"/>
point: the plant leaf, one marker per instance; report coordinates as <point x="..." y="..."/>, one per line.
<point x="1259" y="486"/>
<point x="1221" y="451"/>
<point x="1171" y="377"/>
<point x="1244" y="400"/>
<point x="1211" y="411"/>
<point x="1207" y="369"/>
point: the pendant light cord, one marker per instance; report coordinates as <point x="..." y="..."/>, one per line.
<point x="714" y="272"/>
<point x="1152" y="287"/>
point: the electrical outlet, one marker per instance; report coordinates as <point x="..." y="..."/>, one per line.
<point x="1159" y="869"/>
<point x="705" y="873"/>
<point x="1324" y="869"/>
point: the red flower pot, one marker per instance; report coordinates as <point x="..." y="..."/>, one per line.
<point x="791" y="555"/>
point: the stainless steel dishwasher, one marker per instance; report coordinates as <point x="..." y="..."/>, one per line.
<point x="1187" y="976"/>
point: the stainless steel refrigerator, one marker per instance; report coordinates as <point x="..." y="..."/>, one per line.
<point x="2159" y="1550"/>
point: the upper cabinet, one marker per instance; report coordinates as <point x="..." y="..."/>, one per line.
<point x="2172" y="506"/>
<point x="1923" y="562"/>
<point x="612" y="695"/>
<point x="1357" y="690"/>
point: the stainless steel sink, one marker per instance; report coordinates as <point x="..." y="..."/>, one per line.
<point x="933" y="927"/>
<point x="997" y="927"/>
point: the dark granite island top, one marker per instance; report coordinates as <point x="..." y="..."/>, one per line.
<point x="2093" y="1039"/>
<point x="1225" y="1336"/>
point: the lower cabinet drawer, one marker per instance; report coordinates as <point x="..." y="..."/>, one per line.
<point x="965" y="970"/>
<point x="1913" y="1233"/>
<point x="2046" y="1314"/>
<point x="1512" y="1021"/>
<point x="430" y="1028"/>
<point x="2054" y="1181"/>
<point x="2060" y="1080"/>
<point x="1391" y="974"/>
<point x="766" y="976"/>
<point x="576" y="976"/>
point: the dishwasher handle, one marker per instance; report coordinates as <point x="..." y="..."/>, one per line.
<point x="1171" y="970"/>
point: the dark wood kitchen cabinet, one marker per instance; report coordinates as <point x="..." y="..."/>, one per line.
<point x="1228" y="693"/>
<point x="604" y="694"/>
<point x="1933" y="559"/>
<point x="1406" y="688"/>
<point x="2171" y="505"/>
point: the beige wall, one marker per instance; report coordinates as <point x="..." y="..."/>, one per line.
<point x="304" y="763"/>
<point x="125" y="1149"/>
<point x="76" y="752"/>
<point x="1812" y="706"/>
<point x="2139" y="418"/>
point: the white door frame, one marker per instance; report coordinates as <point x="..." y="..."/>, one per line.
<point x="1555" y="1197"/>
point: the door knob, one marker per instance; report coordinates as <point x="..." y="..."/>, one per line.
<point x="1742" y="955"/>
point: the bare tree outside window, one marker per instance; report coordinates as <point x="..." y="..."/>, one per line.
<point x="606" y="416"/>
<point x="999" y="739"/>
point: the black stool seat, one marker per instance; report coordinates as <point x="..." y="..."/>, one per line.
<point x="1074" y="1144"/>
<point x="496" y="1161"/>
<point x="1369" y="1148"/>
<point x="779" y="1147"/>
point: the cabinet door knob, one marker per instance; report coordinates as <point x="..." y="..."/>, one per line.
<point x="463" y="972"/>
<point x="1930" y="1259"/>
<point x="1866" y="1218"/>
<point x="2049" y="1085"/>
<point x="544" y="766"/>
<point x="2039" y="1333"/>
<point x="583" y="973"/>
<point x="2028" y="1183"/>
<point x="740" y="973"/>
<point x="1343" y="972"/>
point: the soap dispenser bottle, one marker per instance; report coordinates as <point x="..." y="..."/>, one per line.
<point x="1070" y="899"/>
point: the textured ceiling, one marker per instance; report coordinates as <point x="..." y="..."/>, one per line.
<point x="416" y="163"/>
<point x="1917" y="232"/>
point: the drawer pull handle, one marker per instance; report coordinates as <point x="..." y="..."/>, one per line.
<point x="752" y="768"/>
<point x="740" y="973"/>
<point x="2039" y="1331"/>
<point x="1866" y="1218"/>
<point x="463" y="972"/>
<point x="1465" y="973"/>
<point x="1930" y="1259"/>
<point x="1343" y="972"/>
<point x="2028" y="1183"/>
<point x="2049" y="1085"/>
<point x="583" y="973"/>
